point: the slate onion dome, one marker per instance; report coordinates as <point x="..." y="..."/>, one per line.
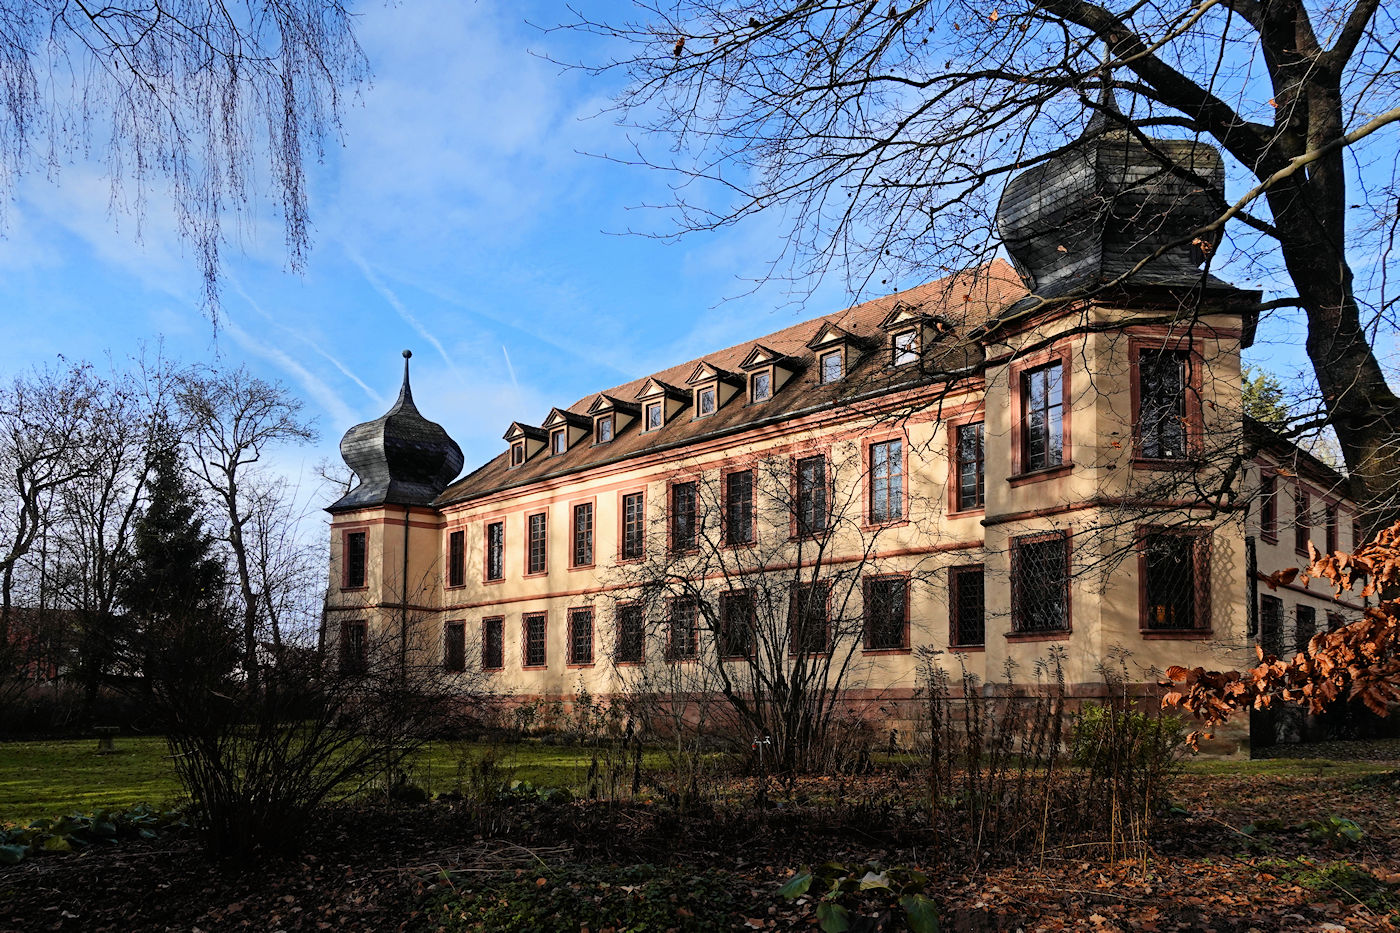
<point x="400" y="458"/>
<point x="1093" y="211"/>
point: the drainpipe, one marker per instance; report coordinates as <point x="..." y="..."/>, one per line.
<point x="403" y="603"/>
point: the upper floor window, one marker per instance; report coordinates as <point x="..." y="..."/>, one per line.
<point x="493" y="643"/>
<point x="1331" y="528"/>
<point x="970" y="466"/>
<point x="905" y="347"/>
<point x="1040" y="584"/>
<point x="811" y="495"/>
<point x="738" y="507"/>
<point x="356" y="558"/>
<point x="653" y="415"/>
<point x="558" y="441"/>
<point x="967" y="606"/>
<point x="886" y="613"/>
<point x="1302" y="520"/>
<point x="495" y="551"/>
<point x="829" y="365"/>
<point x="1042" y="404"/>
<point x="1268" y="507"/>
<point x="631" y="633"/>
<point x="1175" y="575"/>
<point x="454" y="647"/>
<point x="685" y="534"/>
<point x="887" y="481"/>
<point x="1161" y="420"/>
<point x="633" y="525"/>
<point x="761" y="386"/>
<point x="705" y="401"/>
<point x="736" y="619"/>
<point x="603" y="432"/>
<point x="535" y="544"/>
<point x="456" y="558"/>
<point x="1305" y="626"/>
<point x="583" y="534"/>
<point x="517" y="453"/>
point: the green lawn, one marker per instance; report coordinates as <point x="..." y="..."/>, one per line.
<point x="39" y="779"/>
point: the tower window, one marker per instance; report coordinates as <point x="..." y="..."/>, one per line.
<point x="355" y="559"/>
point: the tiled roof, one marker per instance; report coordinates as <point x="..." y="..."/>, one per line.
<point x="964" y="301"/>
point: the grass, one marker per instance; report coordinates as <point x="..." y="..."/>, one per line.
<point x="41" y="779"/>
<point x="1285" y="767"/>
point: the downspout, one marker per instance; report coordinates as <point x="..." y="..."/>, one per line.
<point x="403" y="605"/>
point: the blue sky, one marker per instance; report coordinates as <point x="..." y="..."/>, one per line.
<point x="459" y="219"/>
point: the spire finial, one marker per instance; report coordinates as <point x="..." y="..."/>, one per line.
<point x="1107" y="102"/>
<point x="406" y="393"/>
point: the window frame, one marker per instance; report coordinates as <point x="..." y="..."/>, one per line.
<point x="799" y="529"/>
<point x="517" y="454"/>
<point x="1019" y="631"/>
<point x="1300" y="644"/>
<point x="693" y="650"/>
<point x="1263" y="637"/>
<point x="358" y="661"/>
<point x="868" y="583"/>
<point x="525" y="620"/>
<point x="837" y="353"/>
<point x="868" y="446"/>
<point x="571" y="657"/>
<point x="622" y="526"/>
<point x="710" y="391"/>
<point x="456" y="558"/>
<point x="1268" y="506"/>
<point x="793" y="599"/>
<point x="458" y="641"/>
<point x="558" y="442"/>
<point x="911" y="351"/>
<point x="488" y="552"/>
<point x="499" y="624"/>
<point x="1199" y="542"/>
<point x="726" y="480"/>
<point x="726" y="600"/>
<point x="621" y="632"/>
<point x="610" y="422"/>
<point x="1191" y="350"/>
<point x="955" y="577"/>
<point x="674" y="546"/>
<point x="659" y="407"/>
<point x="530" y="540"/>
<point x="347" y="535"/>
<point x="1020" y="472"/>
<point x="592" y="531"/>
<point x="1332" y="519"/>
<point x="753" y="385"/>
<point x="1302" y="519"/>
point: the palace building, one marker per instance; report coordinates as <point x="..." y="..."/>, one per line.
<point x="1042" y="455"/>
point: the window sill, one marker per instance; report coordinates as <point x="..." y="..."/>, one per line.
<point x="738" y="545"/>
<point x="1036" y="476"/>
<point x="892" y="523"/>
<point x="730" y="658"/>
<point x="623" y="561"/>
<point x="1062" y="635"/>
<point x="535" y="573"/>
<point x="354" y="589"/>
<point x="628" y="663"/>
<point x="1268" y="538"/>
<point x="492" y="670"/>
<point x="534" y="667"/>
<point x="1162" y="634"/>
<point x="879" y="651"/>
<point x="968" y="648"/>
<point x="580" y="667"/>
<point x="496" y="582"/>
<point x="582" y="567"/>
<point x="968" y="513"/>
<point x="1165" y="463"/>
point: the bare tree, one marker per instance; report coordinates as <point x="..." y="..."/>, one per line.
<point x="210" y="101"/>
<point x="234" y="419"/>
<point x="882" y="133"/>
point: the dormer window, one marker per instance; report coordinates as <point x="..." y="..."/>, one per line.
<point x="829" y="365"/>
<point x="905" y="347"/>
<point x="517" y="453"/>
<point x="653" y="416"/>
<point x="558" y="442"/>
<point x="761" y="386"/>
<point x="705" y="401"/>
<point x="603" y="430"/>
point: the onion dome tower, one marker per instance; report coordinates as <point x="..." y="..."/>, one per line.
<point x="400" y="458"/>
<point x="1092" y="212"/>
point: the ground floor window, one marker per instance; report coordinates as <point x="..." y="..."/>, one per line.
<point x="1040" y="584"/>
<point x="581" y="636"/>
<point x="631" y="633"/>
<point x="886" y="613"/>
<point x="354" y="646"/>
<point x="1175" y="573"/>
<point x="1271" y="625"/>
<point x="967" y="607"/>
<point x="536" y="643"/>
<point x="493" y="644"/>
<point x="454" y="647"/>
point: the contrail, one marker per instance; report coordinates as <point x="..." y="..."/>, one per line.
<point x="398" y="306"/>
<point x="328" y="399"/>
<point x="510" y="368"/>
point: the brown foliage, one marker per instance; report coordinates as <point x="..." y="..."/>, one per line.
<point x="1358" y="661"/>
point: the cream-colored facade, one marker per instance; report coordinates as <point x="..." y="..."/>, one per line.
<point x="917" y="370"/>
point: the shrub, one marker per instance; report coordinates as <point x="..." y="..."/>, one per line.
<point x="1106" y="738"/>
<point x="874" y="895"/>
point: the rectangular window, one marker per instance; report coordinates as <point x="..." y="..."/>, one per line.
<point x="1042" y="413"/>
<point x="354" y="646"/>
<point x="738" y="508"/>
<point x="583" y="534"/>
<point x="705" y="401"/>
<point x="559" y="441"/>
<point x="1268" y="507"/>
<point x="1335" y="620"/>
<point x="535" y="562"/>
<point x="1305" y="627"/>
<point x="653" y="415"/>
<point x="355" y="558"/>
<point x="517" y="453"/>
<point x="685" y="535"/>
<point x="829" y="366"/>
<point x="1162" y="386"/>
<point x="807" y="618"/>
<point x="633" y="525"/>
<point x="1271" y="625"/>
<point x="457" y="558"/>
<point x="1040" y="584"/>
<point x="581" y="636"/>
<point x="1302" y="520"/>
<point x="1172" y="582"/>
<point x="967" y="607"/>
<point x="736" y="624"/>
<point x="906" y="347"/>
<point x="971" y="467"/>
<point x="495" y="551"/>
<point x="604" y="432"/>
<point x="536" y="626"/>
<point x="1331" y="528"/>
<point x="811" y="495"/>
<point x="762" y="386"/>
<point x="886" y="613"/>
<point x="493" y="643"/>
<point x="454" y="647"/>
<point x="631" y="633"/>
<point x="1358" y="537"/>
<point x="887" y="481"/>
<point x="683" y="641"/>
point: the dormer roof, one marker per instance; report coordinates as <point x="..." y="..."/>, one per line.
<point x="762" y="356"/>
<point x="829" y="335"/>
<point x="604" y="403"/>
<point x="903" y="315"/>
<point x="520" y="431"/>
<point x="559" y="417"/>
<point x="655" y="388"/>
<point x="705" y="372"/>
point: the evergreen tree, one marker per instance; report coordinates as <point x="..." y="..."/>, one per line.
<point x="1262" y="395"/>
